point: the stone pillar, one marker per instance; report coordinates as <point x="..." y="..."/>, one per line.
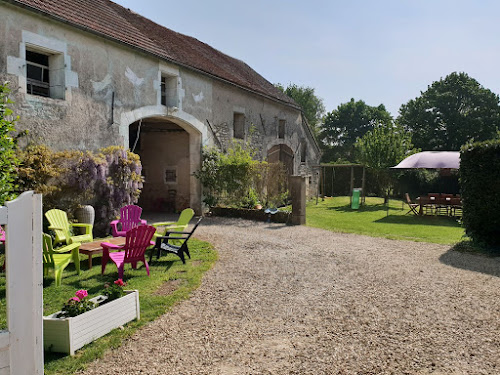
<point x="298" y="192"/>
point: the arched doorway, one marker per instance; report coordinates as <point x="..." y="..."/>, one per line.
<point x="164" y="149"/>
<point x="281" y="153"/>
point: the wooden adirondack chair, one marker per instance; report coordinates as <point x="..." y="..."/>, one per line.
<point x="179" y="225"/>
<point x="138" y="239"/>
<point x="162" y="243"/>
<point x="60" y="224"/>
<point x="59" y="258"/>
<point x="130" y="217"/>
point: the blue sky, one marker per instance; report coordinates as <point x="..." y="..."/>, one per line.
<point x="377" y="51"/>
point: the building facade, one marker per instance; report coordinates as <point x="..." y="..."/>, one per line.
<point x="90" y="74"/>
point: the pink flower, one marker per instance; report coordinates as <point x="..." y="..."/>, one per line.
<point x="119" y="282"/>
<point x="81" y="294"/>
<point x="76" y="299"/>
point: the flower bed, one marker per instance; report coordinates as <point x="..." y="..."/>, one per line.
<point x="65" y="335"/>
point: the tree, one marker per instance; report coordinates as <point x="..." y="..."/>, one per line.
<point x="8" y="147"/>
<point x="342" y="126"/>
<point x="312" y="106"/>
<point x="381" y="148"/>
<point x="451" y="112"/>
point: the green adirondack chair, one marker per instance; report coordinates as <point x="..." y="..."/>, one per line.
<point x="59" y="258"/>
<point x="173" y="226"/>
<point x="60" y="224"/>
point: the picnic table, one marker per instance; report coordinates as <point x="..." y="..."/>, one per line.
<point x="440" y="203"/>
<point x="91" y="248"/>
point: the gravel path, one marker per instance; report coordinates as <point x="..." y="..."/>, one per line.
<point x="299" y="300"/>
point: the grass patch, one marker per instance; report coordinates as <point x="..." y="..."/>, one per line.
<point x="167" y="268"/>
<point x="379" y="220"/>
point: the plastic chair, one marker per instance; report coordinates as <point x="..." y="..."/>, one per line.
<point x="2" y="240"/>
<point x="130" y="217"/>
<point x="179" y="225"/>
<point x="60" y="224"/>
<point x="59" y="258"/>
<point x="138" y="239"/>
<point x="162" y="243"/>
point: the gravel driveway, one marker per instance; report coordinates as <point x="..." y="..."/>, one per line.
<point x="299" y="300"/>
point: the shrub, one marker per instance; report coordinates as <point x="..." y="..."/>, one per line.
<point x="8" y="146"/>
<point x="108" y="179"/>
<point x="480" y="184"/>
<point x="235" y="179"/>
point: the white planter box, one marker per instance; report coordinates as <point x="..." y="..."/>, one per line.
<point x="65" y="335"/>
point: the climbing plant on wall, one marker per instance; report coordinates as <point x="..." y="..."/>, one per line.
<point x="107" y="179"/>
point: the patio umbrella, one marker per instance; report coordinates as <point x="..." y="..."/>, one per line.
<point x="432" y="159"/>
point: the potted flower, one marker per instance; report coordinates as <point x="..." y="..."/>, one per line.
<point x="82" y="320"/>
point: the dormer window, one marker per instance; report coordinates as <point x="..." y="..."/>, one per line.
<point x="239" y="125"/>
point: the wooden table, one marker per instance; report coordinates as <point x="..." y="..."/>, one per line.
<point x="91" y="248"/>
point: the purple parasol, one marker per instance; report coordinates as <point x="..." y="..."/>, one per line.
<point x="432" y="159"/>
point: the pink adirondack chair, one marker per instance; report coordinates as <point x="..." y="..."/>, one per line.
<point x="130" y="217"/>
<point x="2" y="235"/>
<point x="138" y="239"/>
<point x="2" y="240"/>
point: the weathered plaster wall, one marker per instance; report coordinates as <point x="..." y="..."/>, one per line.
<point x="84" y="119"/>
<point x="261" y="124"/>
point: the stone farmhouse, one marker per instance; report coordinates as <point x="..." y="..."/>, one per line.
<point x="87" y="74"/>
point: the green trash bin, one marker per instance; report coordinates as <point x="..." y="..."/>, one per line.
<point x="356" y="193"/>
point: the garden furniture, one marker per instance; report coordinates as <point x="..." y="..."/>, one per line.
<point x="437" y="204"/>
<point x="59" y="223"/>
<point x="58" y="259"/>
<point x="413" y="206"/>
<point x="179" y="225"/>
<point x="137" y="240"/>
<point x="130" y="217"/>
<point x="93" y="248"/>
<point x="162" y="243"/>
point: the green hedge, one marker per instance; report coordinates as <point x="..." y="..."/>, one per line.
<point x="480" y="187"/>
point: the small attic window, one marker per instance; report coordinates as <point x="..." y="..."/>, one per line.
<point x="45" y="74"/>
<point x="281" y="129"/>
<point x="168" y="89"/>
<point x="37" y="74"/>
<point x="303" y="151"/>
<point x="239" y="125"/>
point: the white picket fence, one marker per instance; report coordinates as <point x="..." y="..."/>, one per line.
<point x="21" y="346"/>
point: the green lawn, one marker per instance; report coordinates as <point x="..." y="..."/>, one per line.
<point x="379" y="220"/>
<point x="153" y="302"/>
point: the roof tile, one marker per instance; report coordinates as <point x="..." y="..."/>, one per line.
<point x="114" y="21"/>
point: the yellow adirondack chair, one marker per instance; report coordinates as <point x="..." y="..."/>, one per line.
<point x="174" y="226"/>
<point x="60" y="224"/>
<point x="58" y="259"/>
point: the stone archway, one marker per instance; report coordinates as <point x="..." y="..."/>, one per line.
<point x="169" y="144"/>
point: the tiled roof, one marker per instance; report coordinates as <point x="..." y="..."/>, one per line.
<point x="116" y="22"/>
